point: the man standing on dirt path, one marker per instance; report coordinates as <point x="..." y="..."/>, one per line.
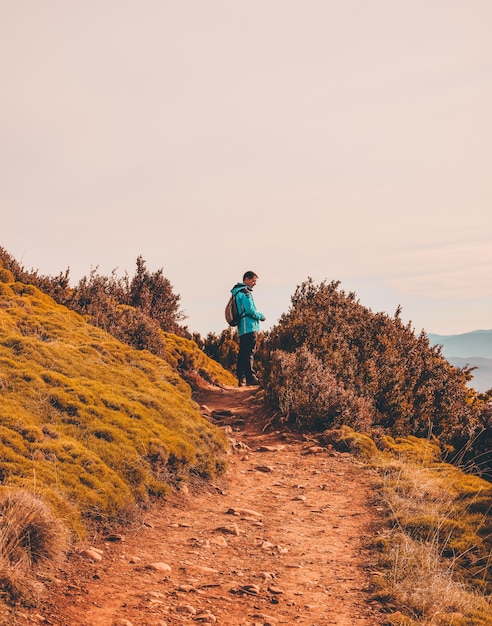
<point x="248" y="327"/>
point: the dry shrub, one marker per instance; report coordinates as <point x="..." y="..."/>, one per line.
<point x="31" y="537"/>
<point x="308" y="394"/>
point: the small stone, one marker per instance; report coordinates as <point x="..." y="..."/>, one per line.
<point x="275" y="590"/>
<point x="251" y="588"/>
<point x="115" y="537"/>
<point x="228" y="530"/>
<point x="314" y="450"/>
<point x="264" y="468"/>
<point x="159" y="567"/>
<point x="206" y="570"/>
<point x="156" y="594"/>
<point x="206" y="617"/>
<point x="270" y="448"/>
<point x="239" y="512"/>
<point x="267" y="620"/>
<point x="219" y="541"/>
<point x="93" y="555"/>
<point x="186" y="608"/>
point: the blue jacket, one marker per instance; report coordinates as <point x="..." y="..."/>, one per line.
<point x="250" y="317"/>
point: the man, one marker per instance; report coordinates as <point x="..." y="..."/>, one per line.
<point x="248" y="328"/>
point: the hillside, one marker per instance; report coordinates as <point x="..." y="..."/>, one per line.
<point x="93" y="426"/>
<point x="472" y="349"/>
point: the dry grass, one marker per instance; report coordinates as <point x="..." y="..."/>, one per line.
<point x="440" y="543"/>
<point x="31" y="538"/>
<point x="423" y="582"/>
<point x="437" y="552"/>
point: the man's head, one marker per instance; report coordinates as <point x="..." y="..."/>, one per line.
<point x="250" y="279"/>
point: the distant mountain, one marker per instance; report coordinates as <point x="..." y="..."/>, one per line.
<point x="473" y="349"/>
<point x="482" y="377"/>
<point x="475" y="343"/>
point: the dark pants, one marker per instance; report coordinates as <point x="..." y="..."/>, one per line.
<point x="247" y="346"/>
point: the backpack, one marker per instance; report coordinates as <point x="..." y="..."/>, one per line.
<point x="232" y="315"/>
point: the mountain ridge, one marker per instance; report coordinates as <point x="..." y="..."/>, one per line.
<point x="472" y="349"/>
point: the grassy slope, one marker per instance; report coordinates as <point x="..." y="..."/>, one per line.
<point x="86" y="422"/>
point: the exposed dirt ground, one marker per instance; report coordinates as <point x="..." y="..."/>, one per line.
<point x="278" y="540"/>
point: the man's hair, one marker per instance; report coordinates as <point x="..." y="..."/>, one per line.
<point x="249" y="275"/>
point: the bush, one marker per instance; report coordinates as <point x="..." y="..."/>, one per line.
<point x="365" y="368"/>
<point x="309" y="394"/>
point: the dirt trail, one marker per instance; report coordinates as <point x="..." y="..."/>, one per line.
<point x="278" y="540"/>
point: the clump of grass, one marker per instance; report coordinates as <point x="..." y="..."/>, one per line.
<point x="31" y="537"/>
<point x="347" y="439"/>
<point x="423" y="582"/>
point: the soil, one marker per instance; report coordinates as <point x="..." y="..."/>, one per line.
<point x="281" y="538"/>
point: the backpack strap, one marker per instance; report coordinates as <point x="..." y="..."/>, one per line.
<point x="245" y="291"/>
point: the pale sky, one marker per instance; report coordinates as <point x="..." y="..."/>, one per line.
<point x="342" y="140"/>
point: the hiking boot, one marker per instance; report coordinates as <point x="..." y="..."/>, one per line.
<point x="252" y="382"/>
<point x="241" y="382"/>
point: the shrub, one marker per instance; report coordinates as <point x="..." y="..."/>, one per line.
<point x="309" y="394"/>
<point x="222" y="348"/>
<point x="30" y="533"/>
<point x="404" y="384"/>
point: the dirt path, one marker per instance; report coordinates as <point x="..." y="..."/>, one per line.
<point x="278" y="540"/>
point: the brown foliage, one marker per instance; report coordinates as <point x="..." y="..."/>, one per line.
<point x="371" y="360"/>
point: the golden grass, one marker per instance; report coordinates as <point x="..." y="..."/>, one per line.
<point x="438" y="550"/>
<point x="184" y="355"/>
<point x="88" y="423"/>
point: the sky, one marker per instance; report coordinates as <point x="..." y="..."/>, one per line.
<point x="347" y="141"/>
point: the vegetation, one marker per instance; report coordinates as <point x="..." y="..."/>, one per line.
<point x="367" y="383"/>
<point x="436" y="552"/>
<point x="31" y="538"/>
<point x="97" y="418"/>
<point x="88" y="423"/>
<point x="331" y="361"/>
<point x="132" y="310"/>
<point x="222" y="348"/>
